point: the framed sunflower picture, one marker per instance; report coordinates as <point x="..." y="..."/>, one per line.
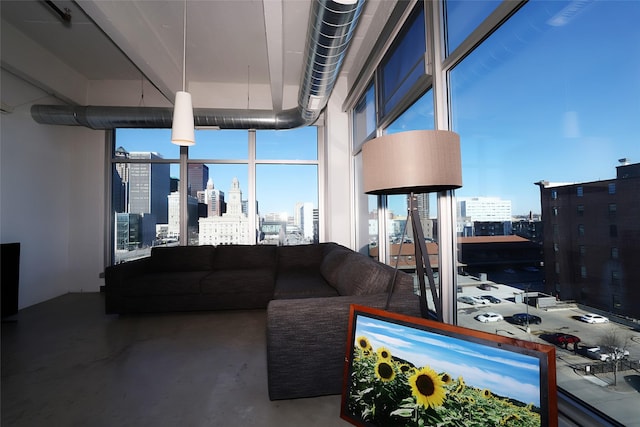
<point x="407" y="371"/>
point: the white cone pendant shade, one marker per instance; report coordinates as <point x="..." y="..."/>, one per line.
<point x="182" y="129"/>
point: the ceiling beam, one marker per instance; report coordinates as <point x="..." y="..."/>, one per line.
<point x="275" y="50"/>
<point x="129" y="29"/>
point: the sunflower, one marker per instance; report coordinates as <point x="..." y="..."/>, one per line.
<point x="460" y="388"/>
<point x="509" y="419"/>
<point x="427" y="387"/>
<point x="486" y="393"/>
<point x="446" y="378"/>
<point x="384" y="370"/>
<point x="364" y="344"/>
<point x="384" y="353"/>
<point x="406" y="369"/>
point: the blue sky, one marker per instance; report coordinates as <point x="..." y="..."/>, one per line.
<point x="553" y="95"/>
<point x="278" y="187"/>
<point x="542" y="101"/>
<point x="502" y="372"/>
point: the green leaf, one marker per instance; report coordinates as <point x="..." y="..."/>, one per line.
<point x="403" y="412"/>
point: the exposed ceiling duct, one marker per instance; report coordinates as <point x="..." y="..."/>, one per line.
<point x="331" y="27"/>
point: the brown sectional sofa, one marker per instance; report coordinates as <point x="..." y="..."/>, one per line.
<point x="307" y="291"/>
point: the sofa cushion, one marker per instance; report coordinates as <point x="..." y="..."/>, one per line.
<point x="238" y="281"/>
<point x="332" y="263"/>
<point x="182" y="258"/>
<point x="300" y="257"/>
<point x="164" y="283"/>
<point x="245" y="257"/>
<point x="360" y="275"/>
<point x="302" y="285"/>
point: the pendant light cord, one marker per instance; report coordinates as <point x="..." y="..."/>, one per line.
<point x="184" y="46"/>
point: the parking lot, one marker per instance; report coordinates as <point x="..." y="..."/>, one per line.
<point x="575" y="371"/>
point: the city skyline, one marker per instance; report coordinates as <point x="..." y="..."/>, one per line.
<point x="231" y="146"/>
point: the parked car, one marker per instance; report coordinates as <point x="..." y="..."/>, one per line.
<point x="562" y="339"/>
<point x="521" y="319"/>
<point x="491" y="299"/>
<point x="489" y="317"/>
<point x="606" y="353"/>
<point x="472" y="299"/>
<point x="467" y="300"/>
<point x="593" y="318"/>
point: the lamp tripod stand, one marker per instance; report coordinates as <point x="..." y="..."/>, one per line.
<point x="423" y="264"/>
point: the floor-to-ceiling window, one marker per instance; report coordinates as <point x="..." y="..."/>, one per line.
<point x="550" y="100"/>
<point x="544" y="96"/>
<point x="243" y="187"/>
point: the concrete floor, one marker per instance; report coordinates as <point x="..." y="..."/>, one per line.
<point x="66" y="363"/>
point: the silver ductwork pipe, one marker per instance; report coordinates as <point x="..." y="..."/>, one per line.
<point x="331" y="27"/>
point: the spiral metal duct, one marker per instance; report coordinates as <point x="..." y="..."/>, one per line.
<point x="331" y="27"/>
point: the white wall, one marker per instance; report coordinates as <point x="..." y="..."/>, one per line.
<point x="338" y="182"/>
<point x="51" y="198"/>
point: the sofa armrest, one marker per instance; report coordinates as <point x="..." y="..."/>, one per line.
<point x="115" y="276"/>
<point x="307" y="341"/>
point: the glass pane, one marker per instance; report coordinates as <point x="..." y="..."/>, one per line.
<point x="405" y="64"/>
<point x="218" y="206"/>
<point x="148" y="140"/>
<point x="417" y="117"/>
<point x="294" y="144"/>
<point x="220" y="144"/>
<point x="464" y="16"/>
<point x="287" y="198"/>
<point x="364" y="118"/>
<point x="140" y="200"/>
<point x="538" y="138"/>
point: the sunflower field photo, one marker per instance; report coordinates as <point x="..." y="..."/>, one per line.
<point x="402" y="376"/>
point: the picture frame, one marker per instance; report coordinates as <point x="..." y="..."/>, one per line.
<point x="406" y="371"/>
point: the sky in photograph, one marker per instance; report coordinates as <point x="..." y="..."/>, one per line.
<point x="503" y="372"/>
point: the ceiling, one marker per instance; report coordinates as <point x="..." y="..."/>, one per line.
<point x="250" y="49"/>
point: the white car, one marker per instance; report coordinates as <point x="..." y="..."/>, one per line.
<point x="489" y="317"/>
<point x="478" y="300"/>
<point x="472" y="300"/>
<point x="593" y="318"/>
<point x="607" y="353"/>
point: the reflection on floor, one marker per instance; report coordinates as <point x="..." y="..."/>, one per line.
<point x="65" y="363"/>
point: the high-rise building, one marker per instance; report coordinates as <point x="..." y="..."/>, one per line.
<point x="213" y="199"/>
<point x="173" y="223"/>
<point x="231" y="228"/>
<point x="120" y="182"/>
<point x="590" y="241"/>
<point x="484" y="216"/>
<point x="197" y="178"/>
<point x="148" y="186"/>
<point x="304" y="219"/>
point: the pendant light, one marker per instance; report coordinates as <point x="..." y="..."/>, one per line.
<point x="182" y="128"/>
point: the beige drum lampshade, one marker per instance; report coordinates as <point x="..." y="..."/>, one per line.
<point x="419" y="161"/>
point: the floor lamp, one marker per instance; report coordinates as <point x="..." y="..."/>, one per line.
<point x="414" y="162"/>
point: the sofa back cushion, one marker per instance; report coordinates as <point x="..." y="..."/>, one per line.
<point x="182" y="258"/>
<point x="332" y="262"/>
<point x="361" y="275"/>
<point x="300" y="257"/>
<point x="238" y="257"/>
